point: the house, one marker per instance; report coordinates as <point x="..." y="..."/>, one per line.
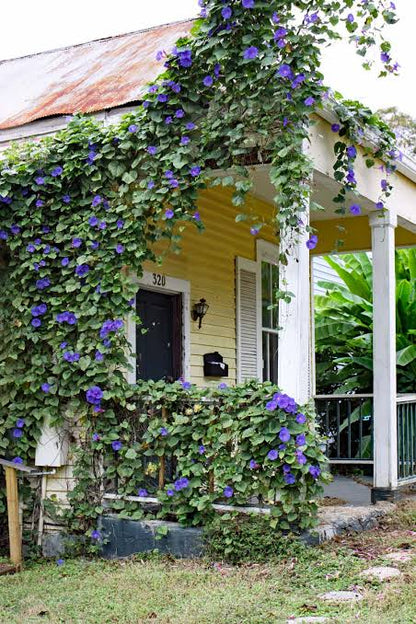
<point x="230" y="270"/>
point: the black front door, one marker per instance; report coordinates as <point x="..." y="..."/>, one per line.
<point x="159" y="348"/>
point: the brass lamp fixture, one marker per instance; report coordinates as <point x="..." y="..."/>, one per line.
<point x="199" y="310"/>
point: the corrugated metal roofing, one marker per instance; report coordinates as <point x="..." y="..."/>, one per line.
<point x="84" y="78"/>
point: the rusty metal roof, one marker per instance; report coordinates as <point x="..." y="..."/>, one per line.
<point x="84" y="78"/>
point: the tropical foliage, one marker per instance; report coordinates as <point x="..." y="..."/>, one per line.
<point x="344" y="325"/>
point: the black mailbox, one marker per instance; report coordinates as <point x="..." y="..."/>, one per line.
<point x="214" y="365"/>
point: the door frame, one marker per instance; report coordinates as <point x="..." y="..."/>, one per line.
<point x="159" y="282"/>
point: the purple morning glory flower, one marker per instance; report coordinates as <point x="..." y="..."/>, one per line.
<point x="63" y="345"/>
<point x="15" y="229"/>
<point x="142" y="492"/>
<point x="301" y="439"/>
<point x="17" y="460"/>
<point x="181" y="484"/>
<point x="56" y="172"/>
<point x="99" y="356"/>
<point x="179" y="113"/>
<point x="132" y="128"/>
<point x="301" y="419"/>
<point x="40" y="180"/>
<point x="201" y="449"/>
<point x="190" y="125"/>
<point x="271" y="406"/>
<point x="76" y="242"/>
<point x="94" y="395"/>
<point x="248" y="4"/>
<point x="95" y="535"/>
<point x="315" y="471"/>
<point x="65" y="261"/>
<point x="94" y="245"/>
<point x="119" y="248"/>
<point x="186" y="385"/>
<point x="355" y="209"/>
<point x="351" y="151"/>
<point x="116" y="445"/>
<point x="152" y="150"/>
<point x="185" y="58"/>
<point x="285" y="71"/>
<point x="226" y="12"/>
<point x="95" y="437"/>
<point x="272" y="455"/>
<point x="93" y="221"/>
<point x="170" y="492"/>
<point x="162" y="97"/>
<point x="168" y="120"/>
<point x="17" y="433"/>
<point x="195" y="171"/>
<point x="222" y="385"/>
<point x="310" y="101"/>
<point x="228" y="491"/>
<point x="289" y="478"/>
<point x="208" y="81"/>
<point x="280" y="33"/>
<point x="5" y="236"/>
<point x="384" y="185"/>
<point x="185" y="140"/>
<point x="169" y="213"/>
<point x="82" y="270"/>
<point x="20" y="423"/>
<point x="284" y="434"/>
<point x="300" y="458"/>
<point x="39" y="203"/>
<point x="45" y="387"/>
<point x="312" y="242"/>
<point x="60" y="562"/>
<point x="66" y="199"/>
<point x="335" y="127"/>
<point x="96" y="200"/>
<point x="163" y="431"/>
<point x="350" y="18"/>
<point x="385" y="57"/>
<point x="43" y="283"/>
<point x="379" y="205"/>
<point x="120" y="224"/>
<point x="251" y="53"/>
<point x="282" y="447"/>
<point x="253" y="464"/>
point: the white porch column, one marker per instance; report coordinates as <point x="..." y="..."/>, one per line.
<point x="384" y="355"/>
<point x="294" y="340"/>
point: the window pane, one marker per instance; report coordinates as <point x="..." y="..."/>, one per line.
<point x="265" y="293"/>
<point x="273" y="357"/>
<point x="266" y="360"/>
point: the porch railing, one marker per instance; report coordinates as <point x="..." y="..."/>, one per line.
<point x="406" y="437"/>
<point x="347" y="421"/>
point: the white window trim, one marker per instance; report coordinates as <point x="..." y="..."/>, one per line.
<point x="253" y="267"/>
<point x="173" y="286"/>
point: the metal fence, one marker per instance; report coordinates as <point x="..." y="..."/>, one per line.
<point x="406" y="438"/>
<point x="347" y="422"/>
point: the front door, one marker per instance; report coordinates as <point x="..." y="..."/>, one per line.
<point x="159" y="348"/>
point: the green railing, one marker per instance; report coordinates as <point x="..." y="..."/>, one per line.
<point x="406" y="438"/>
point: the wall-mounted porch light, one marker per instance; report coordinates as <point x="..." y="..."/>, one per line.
<point x="199" y="310"/>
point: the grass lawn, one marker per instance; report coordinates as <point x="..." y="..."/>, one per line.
<point x="160" y="591"/>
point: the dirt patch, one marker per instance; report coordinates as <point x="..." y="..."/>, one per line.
<point x="7" y="568"/>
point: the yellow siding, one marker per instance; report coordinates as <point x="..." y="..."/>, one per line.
<point x="207" y="261"/>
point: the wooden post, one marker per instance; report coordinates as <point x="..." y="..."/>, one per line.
<point x="15" y="540"/>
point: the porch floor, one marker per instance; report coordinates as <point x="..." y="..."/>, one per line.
<point x="348" y="490"/>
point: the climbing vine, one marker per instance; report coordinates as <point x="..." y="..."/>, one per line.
<point x="81" y="210"/>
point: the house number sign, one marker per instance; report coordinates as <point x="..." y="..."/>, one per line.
<point x="159" y="279"/>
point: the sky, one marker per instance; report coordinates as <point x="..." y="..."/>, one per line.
<point x="30" y="26"/>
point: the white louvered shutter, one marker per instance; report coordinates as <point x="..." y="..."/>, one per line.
<point x="248" y="320"/>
